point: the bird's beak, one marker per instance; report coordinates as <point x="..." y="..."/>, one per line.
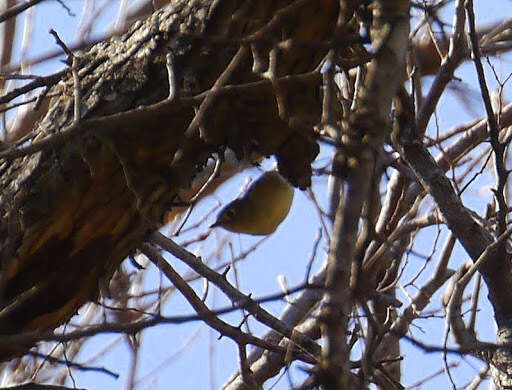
<point x="215" y="224"/>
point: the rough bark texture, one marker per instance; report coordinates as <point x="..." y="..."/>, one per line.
<point x="72" y="211"/>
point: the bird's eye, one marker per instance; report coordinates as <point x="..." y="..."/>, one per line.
<point x="230" y="213"/>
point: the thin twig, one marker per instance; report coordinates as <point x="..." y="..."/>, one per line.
<point x="499" y="161"/>
<point x="204" y="187"/>
<point x="213" y="91"/>
<point x="241" y="300"/>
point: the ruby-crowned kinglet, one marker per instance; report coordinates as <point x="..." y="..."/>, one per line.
<point x="261" y="209"/>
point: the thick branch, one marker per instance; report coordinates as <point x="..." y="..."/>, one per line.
<point x="77" y="195"/>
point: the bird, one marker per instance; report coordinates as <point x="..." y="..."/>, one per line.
<point x="261" y="209"/>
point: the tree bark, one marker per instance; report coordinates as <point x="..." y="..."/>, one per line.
<point x="80" y="192"/>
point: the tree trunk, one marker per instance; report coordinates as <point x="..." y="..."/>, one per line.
<point x="81" y="191"/>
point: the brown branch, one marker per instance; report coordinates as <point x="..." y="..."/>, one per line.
<point x="239" y="299"/>
<point x="214" y="91"/>
<point x="365" y="138"/>
<point x="464" y="335"/>
<point x="120" y="120"/>
<point x="265" y="364"/>
<point x="456" y="54"/>
<point x="17" y="9"/>
<point x="78" y="366"/>
<point x="42" y="81"/>
<point x="498" y="148"/>
<point x="203" y="311"/>
<point x="139" y="325"/>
